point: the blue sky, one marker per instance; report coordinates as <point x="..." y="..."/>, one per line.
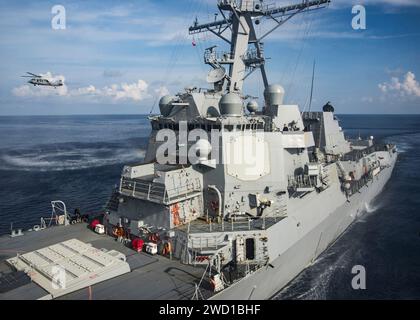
<point x="117" y="57"/>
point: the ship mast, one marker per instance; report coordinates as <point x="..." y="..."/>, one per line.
<point x="239" y="17"/>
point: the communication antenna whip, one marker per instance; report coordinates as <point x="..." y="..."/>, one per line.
<point x="312" y="87"/>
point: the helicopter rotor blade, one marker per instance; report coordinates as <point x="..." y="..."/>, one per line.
<point x="34" y="75"/>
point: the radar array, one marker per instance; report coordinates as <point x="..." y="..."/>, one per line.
<point x="240" y="18"/>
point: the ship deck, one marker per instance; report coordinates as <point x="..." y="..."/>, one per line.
<point x="151" y="277"/>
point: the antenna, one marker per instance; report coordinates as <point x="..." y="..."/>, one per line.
<point x="312" y="87"/>
<point x="239" y="19"/>
<point x="216" y="75"/>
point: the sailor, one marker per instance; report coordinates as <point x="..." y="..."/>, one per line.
<point x="328" y="107"/>
<point x="285" y="127"/>
<point x="294" y="126"/>
<point x="77" y="215"/>
<point x="315" y="155"/>
<point x="167" y="250"/>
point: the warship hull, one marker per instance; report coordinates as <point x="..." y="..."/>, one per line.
<point x="261" y="284"/>
<point x="267" y="281"/>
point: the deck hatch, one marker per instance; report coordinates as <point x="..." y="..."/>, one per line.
<point x="69" y="266"/>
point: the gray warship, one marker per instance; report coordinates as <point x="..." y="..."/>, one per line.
<point x="236" y="213"/>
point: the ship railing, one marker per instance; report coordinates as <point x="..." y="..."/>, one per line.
<point x="246" y="5"/>
<point x="202" y="243"/>
<point x="151" y="191"/>
<point x="301" y="181"/>
<point x="252" y="58"/>
<point x="250" y="5"/>
<point x="245" y="269"/>
<point x="311" y="115"/>
<point x="261" y="223"/>
<point x="356" y="155"/>
<point x="224" y="3"/>
<point x="211" y="56"/>
<point x="356" y="185"/>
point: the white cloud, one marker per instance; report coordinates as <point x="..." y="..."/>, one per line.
<point x="85" y="91"/>
<point x="161" y="91"/>
<point x="29" y="91"/>
<point x="134" y="91"/>
<point x="407" y="87"/>
<point x="22" y="91"/>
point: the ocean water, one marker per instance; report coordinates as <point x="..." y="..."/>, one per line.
<point x="78" y="159"/>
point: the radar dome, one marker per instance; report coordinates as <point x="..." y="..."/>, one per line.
<point x="231" y="105"/>
<point x="274" y="95"/>
<point x="252" y="106"/>
<point x="165" y="105"/>
<point x="202" y="149"/>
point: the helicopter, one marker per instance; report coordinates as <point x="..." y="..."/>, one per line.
<point x="38" y="80"/>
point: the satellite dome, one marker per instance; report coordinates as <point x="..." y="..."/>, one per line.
<point x="202" y="149"/>
<point x="274" y="95"/>
<point x="165" y="105"/>
<point x="252" y="106"/>
<point x="231" y="105"/>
